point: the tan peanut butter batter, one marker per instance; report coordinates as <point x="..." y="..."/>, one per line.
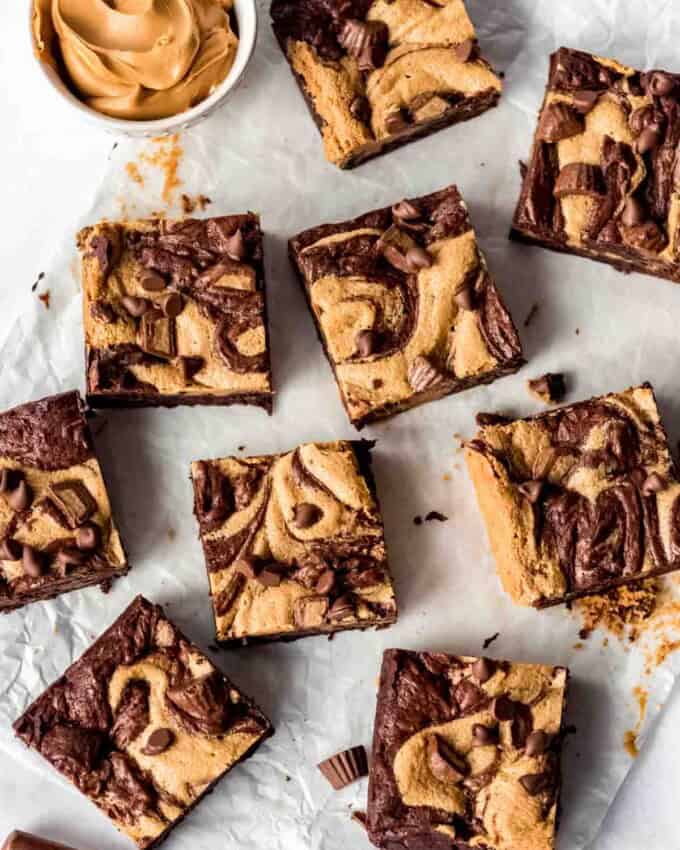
<point x="593" y="468"/>
<point x="344" y="541"/>
<point x="138" y="59"/>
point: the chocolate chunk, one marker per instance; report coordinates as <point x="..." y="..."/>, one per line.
<point x="9" y="479"/>
<point x="172" y="304"/>
<point x="248" y="567"/>
<point x="309" y="612"/>
<point x="584" y="100"/>
<point x="21" y="498"/>
<point x="559" y="121"/>
<point x="521" y="726"/>
<point x="360" y="108"/>
<point x="190" y="366"/>
<point x="484" y="736"/>
<point x="152" y="281"/>
<point x="445" y="763"/>
<point x="503" y="708"/>
<point x="10" y="549"/>
<point x="74" y="501"/>
<point x="396" y="122"/>
<point x="405" y="211"/>
<point x="136" y="307"/>
<point x="69" y="558"/>
<point x="306" y="515"/>
<point x="201" y="704"/>
<point x="272" y="575"/>
<point x="158" y="742"/>
<point x="342" y="608"/>
<point x="366" y="343"/>
<point x="465" y="298"/>
<point x="325" y="583"/>
<point x="468" y="696"/>
<point x="658" y="83"/>
<point x="132" y="714"/>
<point x="417" y="258"/>
<point x="654" y="484"/>
<point x="226" y="598"/>
<point x="648" y="140"/>
<point x="485" y="420"/>
<point x="531" y="490"/>
<point x="465" y="50"/>
<point x="33" y="562"/>
<point x="536" y="744"/>
<point x="423" y="376"/>
<point x="550" y="388"/>
<point x="103" y="312"/>
<point x="535" y="783"/>
<point x="577" y="178"/>
<point x="157" y="334"/>
<point x="102" y="248"/>
<point x="346" y="767"/>
<point x="366" y="41"/>
<point x="88" y="537"/>
<point x="483" y="669"/>
<point x="214" y="498"/>
<point x="633" y="213"/>
<point x="235" y="247"/>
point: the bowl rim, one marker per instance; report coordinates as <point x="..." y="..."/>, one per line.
<point x="156" y="126"/>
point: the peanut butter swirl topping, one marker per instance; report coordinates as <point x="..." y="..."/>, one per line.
<point x="139" y="59"/>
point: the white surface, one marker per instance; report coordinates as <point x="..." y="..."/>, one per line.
<point x="49" y="170"/>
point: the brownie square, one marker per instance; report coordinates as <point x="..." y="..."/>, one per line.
<point x="143" y="724"/>
<point x="56" y="528"/>
<point x="466" y="753"/>
<point x="377" y="74"/>
<point x="578" y="500"/>
<point x="175" y="312"/>
<point x="405" y="306"/>
<point x="603" y="175"/>
<point x="294" y="543"/>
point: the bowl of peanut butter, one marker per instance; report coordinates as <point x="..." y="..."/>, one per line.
<point x="144" y="67"/>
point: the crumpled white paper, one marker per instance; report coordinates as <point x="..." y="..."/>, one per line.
<point x="262" y="152"/>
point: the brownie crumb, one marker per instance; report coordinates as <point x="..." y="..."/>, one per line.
<point x="45" y="298"/>
<point x="435" y="516"/>
<point x="531" y="315"/>
<point x="550" y="388"/>
<point x="40" y="277"/>
<point x="417" y="520"/>
<point x="487" y="643"/>
<point x="485" y="419"/>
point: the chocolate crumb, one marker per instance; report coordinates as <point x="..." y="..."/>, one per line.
<point x="487" y="643"/>
<point x="578" y="331"/>
<point x="531" y="315"/>
<point x="523" y="168"/>
<point x="436" y="516"/>
<point x="501" y="74"/>
<point x="417" y="520"/>
<point x="550" y="388"/>
<point x="45" y="298"/>
<point x="40" y="277"/>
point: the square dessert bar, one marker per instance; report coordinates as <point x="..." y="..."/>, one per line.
<point x="143" y="724"/>
<point x="56" y="529"/>
<point x="175" y="312"/>
<point x="379" y="73"/>
<point x="603" y="177"/>
<point x="580" y="499"/>
<point x="466" y="753"/>
<point x="294" y="543"/>
<point x="405" y="306"/>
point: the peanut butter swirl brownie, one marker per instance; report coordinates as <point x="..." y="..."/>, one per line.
<point x="57" y="532"/>
<point x="143" y="724"/>
<point x="405" y="305"/>
<point x="466" y="753"/>
<point x="294" y="543"/>
<point x="378" y="73"/>
<point x="603" y="180"/>
<point x="578" y="500"/>
<point x="175" y="312"/>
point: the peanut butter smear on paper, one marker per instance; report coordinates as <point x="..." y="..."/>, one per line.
<point x="137" y="59"/>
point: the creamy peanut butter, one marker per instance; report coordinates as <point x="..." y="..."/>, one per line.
<point x="138" y="59"/>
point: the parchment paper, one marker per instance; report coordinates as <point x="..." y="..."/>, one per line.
<point x="607" y="331"/>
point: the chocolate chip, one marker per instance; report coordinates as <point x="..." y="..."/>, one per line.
<point x="172" y="304"/>
<point x="445" y="763"/>
<point x="503" y="708"/>
<point x="153" y="282"/>
<point x="584" y="100"/>
<point x="536" y="744"/>
<point x="633" y="213"/>
<point x="535" y="783"/>
<point x="235" y="247"/>
<point x="325" y="583"/>
<point x="88" y="537"/>
<point x="465" y="299"/>
<point x="346" y="767"/>
<point x="484" y="736"/>
<point x="405" y="211"/>
<point x="465" y="50"/>
<point x="102" y="312"/>
<point x="360" y="108"/>
<point x="272" y="574"/>
<point x="366" y="41"/>
<point x="396" y="122"/>
<point x="306" y="515"/>
<point x="531" y="490"/>
<point x="158" y="742"/>
<point x="102" y="248"/>
<point x="136" y="307"/>
<point x="648" y="140"/>
<point x="32" y="561"/>
<point x="68" y="558"/>
<point x="417" y="258"/>
<point x="483" y="669"/>
<point x="559" y="121"/>
<point x="190" y="366"/>
<point x="578" y="178"/>
<point x="658" y="84"/>
<point x="20" y="499"/>
<point x="10" y="550"/>
<point x="248" y="567"/>
<point x="9" y="479"/>
<point x="366" y="343"/>
<point x="423" y="375"/>
<point x="654" y="484"/>
<point x="342" y="608"/>
<point x="157" y="334"/>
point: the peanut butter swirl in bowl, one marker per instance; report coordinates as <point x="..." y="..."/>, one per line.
<point x="143" y="60"/>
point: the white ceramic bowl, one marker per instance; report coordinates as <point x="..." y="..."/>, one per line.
<point x="246" y="16"/>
